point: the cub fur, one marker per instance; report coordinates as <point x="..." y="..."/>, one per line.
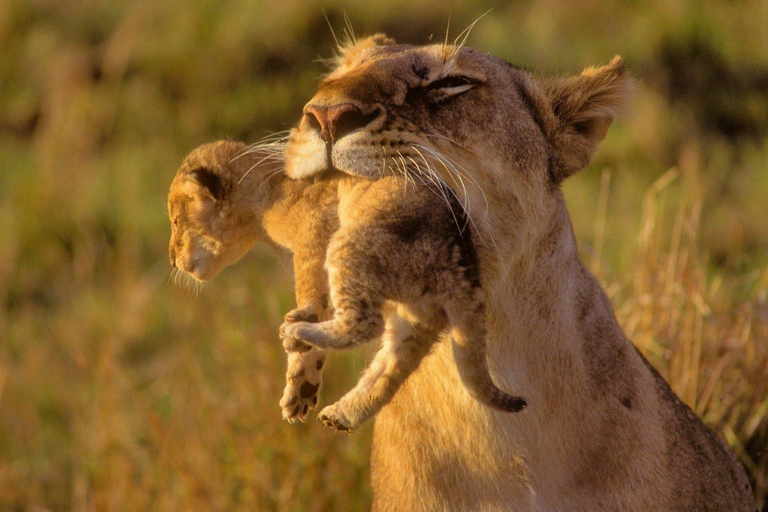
<point x="407" y="243"/>
<point x="395" y="242"/>
<point x="223" y="199"/>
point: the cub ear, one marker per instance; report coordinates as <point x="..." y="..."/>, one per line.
<point x="209" y="182"/>
<point x="582" y="109"/>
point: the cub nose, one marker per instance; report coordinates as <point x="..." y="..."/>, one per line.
<point x="335" y="121"/>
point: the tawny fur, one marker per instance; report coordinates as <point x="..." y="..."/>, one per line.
<point x="396" y="241"/>
<point x="402" y="242"/>
<point x="604" y="431"/>
<point x="226" y="197"/>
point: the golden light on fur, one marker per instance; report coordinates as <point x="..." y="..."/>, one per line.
<point x="607" y="433"/>
<point x="227" y="196"/>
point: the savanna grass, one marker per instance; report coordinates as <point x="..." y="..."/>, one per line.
<point x="121" y="391"/>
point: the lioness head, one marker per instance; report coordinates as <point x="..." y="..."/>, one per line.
<point x="212" y="219"/>
<point x="488" y="129"/>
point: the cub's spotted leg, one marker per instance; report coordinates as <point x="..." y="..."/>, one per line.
<point x="403" y="348"/>
<point x="303" y="379"/>
<point x="304" y="376"/>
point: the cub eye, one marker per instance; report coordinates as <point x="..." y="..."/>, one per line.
<point x="451" y="85"/>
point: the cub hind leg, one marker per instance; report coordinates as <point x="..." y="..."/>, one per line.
<point x="303" y="380"/>
<point x="304" y="376"/>
<point x="357" y="300"/>
<point x="404" y="345"/>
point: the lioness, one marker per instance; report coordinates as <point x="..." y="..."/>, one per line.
<point x="385" y="240"/>
<point x="604" y="431"/>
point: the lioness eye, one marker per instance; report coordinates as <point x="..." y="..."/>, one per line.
<point x="453" y="84"/>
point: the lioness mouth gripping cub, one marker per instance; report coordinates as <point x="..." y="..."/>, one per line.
<point x="382" y="241"/>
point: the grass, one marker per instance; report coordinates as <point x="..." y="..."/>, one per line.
<point x="119" y="391"/>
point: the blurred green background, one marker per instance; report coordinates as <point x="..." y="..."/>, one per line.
<point x="119" y="391"/>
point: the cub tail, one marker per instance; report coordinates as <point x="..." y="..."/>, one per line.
<point x="468" y="333"/>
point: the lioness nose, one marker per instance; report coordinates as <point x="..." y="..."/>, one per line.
<point x="172" y="257"/>
<point x="336" y="121"/>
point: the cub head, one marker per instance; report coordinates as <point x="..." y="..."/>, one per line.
<point x="212" y="219"/>
<point x="476" y="122"/>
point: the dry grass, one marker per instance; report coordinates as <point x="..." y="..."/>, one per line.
<point x="119" y="391"/>
<point x="706" y="333"/>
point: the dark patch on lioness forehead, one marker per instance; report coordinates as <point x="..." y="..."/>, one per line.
<point x="420" y="71"/>
<point x="527" y="101"/>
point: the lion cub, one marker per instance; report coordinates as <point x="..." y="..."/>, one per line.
<point x="224" y="199"/>
<point x="381" y="241"/>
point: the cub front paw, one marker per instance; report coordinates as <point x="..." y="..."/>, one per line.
<point x="319" y="335"/>
<point x="290" y="342"/>
<point x="299" y="332"/>
<point x="305" y="314"/>
<point x="294" y="345"/>
<point x="336" y="417"/>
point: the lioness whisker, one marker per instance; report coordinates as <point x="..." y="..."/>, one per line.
<point x="445" y="161"/>
<point x="438" y="184"/>
<point x="458" y="168"/>
<point x="466" y="203"/>
<point x="253" y="167"/>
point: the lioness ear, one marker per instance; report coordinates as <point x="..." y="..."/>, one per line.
<point x="583" y="107"/>
<point x="209" y="182"/>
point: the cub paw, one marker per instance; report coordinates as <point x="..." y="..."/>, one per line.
<point x="334" y="416"/>
<point x="305" y="314"/>
<point x="304" y="379"/>
<point x="314" y="334"/>
<point x="294" y="345"/>
<point x="298" y="334"/>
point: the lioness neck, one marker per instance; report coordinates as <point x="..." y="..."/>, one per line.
<point x="599" y="415"/>
<point x="551" y="334"/>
